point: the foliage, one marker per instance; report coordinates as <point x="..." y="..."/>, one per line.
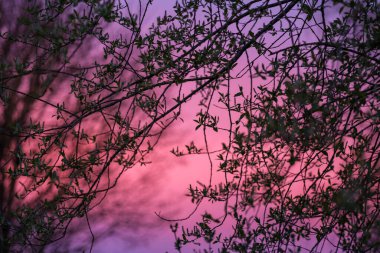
<point x="74" y="115"/>
<point x="289" y="86"/>
<point x="293" y="86"/>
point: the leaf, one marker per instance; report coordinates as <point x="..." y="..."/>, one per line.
<point x="308" y="10"/>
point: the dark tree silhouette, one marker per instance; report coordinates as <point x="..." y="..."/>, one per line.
<point x="29" y="79"/>
<point x="292" y="89"/>
<point x="53" y="59"/>
<point x="289" y="87"/>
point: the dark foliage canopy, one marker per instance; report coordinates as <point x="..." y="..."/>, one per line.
<point x="288" y="102"/>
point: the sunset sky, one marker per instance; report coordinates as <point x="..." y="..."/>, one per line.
<point x="250" y="125"/>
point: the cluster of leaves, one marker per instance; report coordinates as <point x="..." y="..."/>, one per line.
<point x="79" y="108"/>
<point x="302" y="159"/>
<point x="300" y="156"/>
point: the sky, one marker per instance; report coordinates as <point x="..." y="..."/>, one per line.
<point x="128" y="219"/>
<point x="168" y="180"/>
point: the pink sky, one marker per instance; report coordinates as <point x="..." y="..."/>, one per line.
<point x="161" y="185"/>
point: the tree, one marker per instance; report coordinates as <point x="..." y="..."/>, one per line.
<point x="51" y="77"/>
<point x="24" y="82"/>
<point x="290" y="86"/>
